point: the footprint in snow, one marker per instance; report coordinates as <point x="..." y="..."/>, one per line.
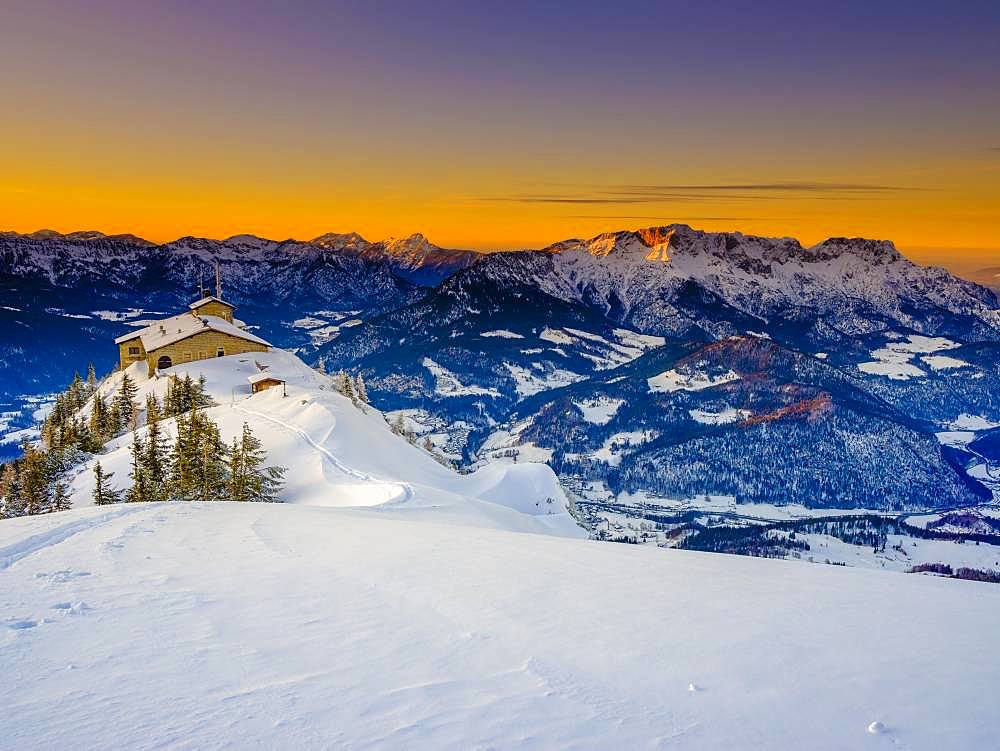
<point x="74" y="608"/>
<point x="59" y="577"/>
<point x="22" y="625"/>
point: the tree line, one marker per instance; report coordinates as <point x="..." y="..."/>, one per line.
<point x="197" y="465"/>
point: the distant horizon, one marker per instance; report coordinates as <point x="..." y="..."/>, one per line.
<point x="507" y="126"/>
<point x="959" y="260"/>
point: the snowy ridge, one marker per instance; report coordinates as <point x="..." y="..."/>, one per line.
<point x="340" y="455"/>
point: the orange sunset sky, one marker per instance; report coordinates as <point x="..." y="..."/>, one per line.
<point x="494" y="126"/>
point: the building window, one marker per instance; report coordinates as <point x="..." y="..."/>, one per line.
<point x="133" y="350"/>
<point x="221" y="352"/>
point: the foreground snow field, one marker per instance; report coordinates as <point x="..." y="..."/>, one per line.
<point x="282" y="626"/>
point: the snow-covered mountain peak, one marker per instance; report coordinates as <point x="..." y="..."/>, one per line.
<point x="873" y="251"/>
<point x="413" y="246"/>
<point x="250" y="240"/>
<point x="636" y="275"/>
<point x="341" y="241"/>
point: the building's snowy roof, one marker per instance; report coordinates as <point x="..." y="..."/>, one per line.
<point x="176" y="328"/>
<point x="211" y="298"/>
<point x="259" y="377"/>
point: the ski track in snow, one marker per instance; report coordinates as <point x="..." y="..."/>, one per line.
<point x="36" y="543"/>
<point x="406" y="490"/>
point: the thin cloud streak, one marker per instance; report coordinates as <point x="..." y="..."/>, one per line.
<point x="796" y="187"/>
<point x="713" y="192"/>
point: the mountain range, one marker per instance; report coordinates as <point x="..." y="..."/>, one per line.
<point x="661" y="363"/>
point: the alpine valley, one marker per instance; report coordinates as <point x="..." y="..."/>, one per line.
<point x="666" y="369"/>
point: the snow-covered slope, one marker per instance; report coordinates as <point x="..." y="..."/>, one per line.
<point x="216" y="626"/>
<point x="340" y="455"/>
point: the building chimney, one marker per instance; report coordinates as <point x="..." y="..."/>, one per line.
<point x="218" y="280"/>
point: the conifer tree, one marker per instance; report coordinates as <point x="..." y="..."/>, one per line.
<point x="76" y="393"/>
<point x="11" y="501"/>
<point x="185" y="394"/>
<point x="61" y="500"/>
<point x="199" y="469"/>
<point x="360" y="390"/>
<point x="345" y="386"/>
<point x="170" y="398"/>
<point x="186" y="399"/>
<point x="104" y="493"/>
<point x="398" y="426"/>
<point x="180" y="460"/>
<point x="211" y="468"/>
<point x="249" y="480"/>
<point x="35" y="495"/>
<point x="155" y="458"/>
<point x="139" y="492"/>
<point x="98" y="424"/>
<point x="114" y="419"/>
<point x="125" y="402"/>
<point x="200" y="393"/>
<point x="91" y="378"/>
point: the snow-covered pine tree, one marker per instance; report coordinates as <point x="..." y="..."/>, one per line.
<point x="91" y="378"/>
<point x="104" y="493"/>
<point x="249" y="480"/>
<point x="360" y="389"/>
<point x="398" y="426"/>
